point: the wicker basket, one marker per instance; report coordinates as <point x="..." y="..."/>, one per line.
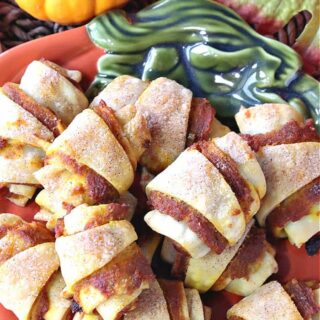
<point x="16" y="26"/>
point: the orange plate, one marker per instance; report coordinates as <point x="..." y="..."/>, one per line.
<point x="73" y="49"/>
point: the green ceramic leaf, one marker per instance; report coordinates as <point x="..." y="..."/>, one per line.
<point x="207" y="47"/>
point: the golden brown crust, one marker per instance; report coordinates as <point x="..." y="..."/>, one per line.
<point x="21" y="236"/>
<point x="99" y="246"/>
<point x="44" y="115"/>
<point x="91" y="217"/>
<point x="99" y="189"/>
<point x="19" y="162"/>
<point x="291" y="132"/>
<point x="196" y="222"/>
<point x="109" y="117"/>
<point x="26" y="273"/>
<point x="166" y="106"/>
<point x="123" y="275"/>
<point x="114" y="212"/>
<point x="229" y="169"/>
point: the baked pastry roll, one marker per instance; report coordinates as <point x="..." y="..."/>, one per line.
<point x="54" y="88"/>
<point x="288" y="151"/>
<point x="166" y="106"/>
<point x="121" y="95"/>
<point x="58" y="308"/>
<point x="173" y="117"/>
<point x="151" y="304"/>
<point x="26" y="130"/>
<point x="205" y="198"/>
<point x="239" y="269"/>
<point x="91" y="162"/>
<point x="122" y="91"/>
<point x="169" y="300"/>
<point x="266" y="117"/>
<point x="104" y="269"/>
<point x="29" y="280"/>
<point x="295" y="301"/>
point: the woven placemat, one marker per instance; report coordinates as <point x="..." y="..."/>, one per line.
<point x="16" y="26"/>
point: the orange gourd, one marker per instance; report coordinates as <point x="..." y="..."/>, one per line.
<point x="67" y="11"/>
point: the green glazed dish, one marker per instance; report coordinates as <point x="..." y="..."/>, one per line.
<point x="208" y="48"/>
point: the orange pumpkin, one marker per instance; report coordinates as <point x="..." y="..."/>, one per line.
<point x="67" y="11"/>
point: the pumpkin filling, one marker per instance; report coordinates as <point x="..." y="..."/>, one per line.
<point x="228" y="168"/>
<point x="247" y="259"/>
<point x="97" y="187"/>
<point x="44" y="115"/>
<point x="126" y="273"/>
<point x="108" y="116"/>
<point x="181" y="211"/>
<point x="200" y="120"/>
<point x="291" y="132"/>
<point x="296" y="206"/>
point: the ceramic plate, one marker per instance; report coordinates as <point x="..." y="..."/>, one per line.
<point x="73" y="49"/>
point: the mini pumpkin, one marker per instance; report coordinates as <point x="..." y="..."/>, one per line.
<point x="67" y="11"/>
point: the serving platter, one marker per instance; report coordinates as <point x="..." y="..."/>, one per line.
<point x="74" y="50"/>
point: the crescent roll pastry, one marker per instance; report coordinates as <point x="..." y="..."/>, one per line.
<point x="169" y="300"/>
<point x="174" y="118"/>
<point x="288" y="151"/>
<point x="239" y="269"/>
<point x="29" y="280"/>
<point x="58" y="307"/>
<point x="120" y="92"/>
<point x="151" y="304"/>
<point x="205" y="198"/>
<point x="121" y="95"/>
<point x="54" y="88"/>
<point x="166" y="106"/>
<point x="102" y="266"/>
<point x="295" y="301"/>
<point x="266" y="117"/>
<point x="26" y="130"/>
<point x="91" y="162"/>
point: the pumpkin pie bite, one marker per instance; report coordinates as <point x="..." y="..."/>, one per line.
<point x="26" y="131"/>
<point x="239" y="269"/>
<point x="55" y="88"/>
<point x="30" y="280"/>
<point x="288" y="150"/>
<point x="174" y="117"/>
<point x="294" y="301"/>
<point x="90" y="163"/>
<point x="206" y="197"/>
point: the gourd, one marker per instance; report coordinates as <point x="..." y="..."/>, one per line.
<point x="67" y="11"/>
